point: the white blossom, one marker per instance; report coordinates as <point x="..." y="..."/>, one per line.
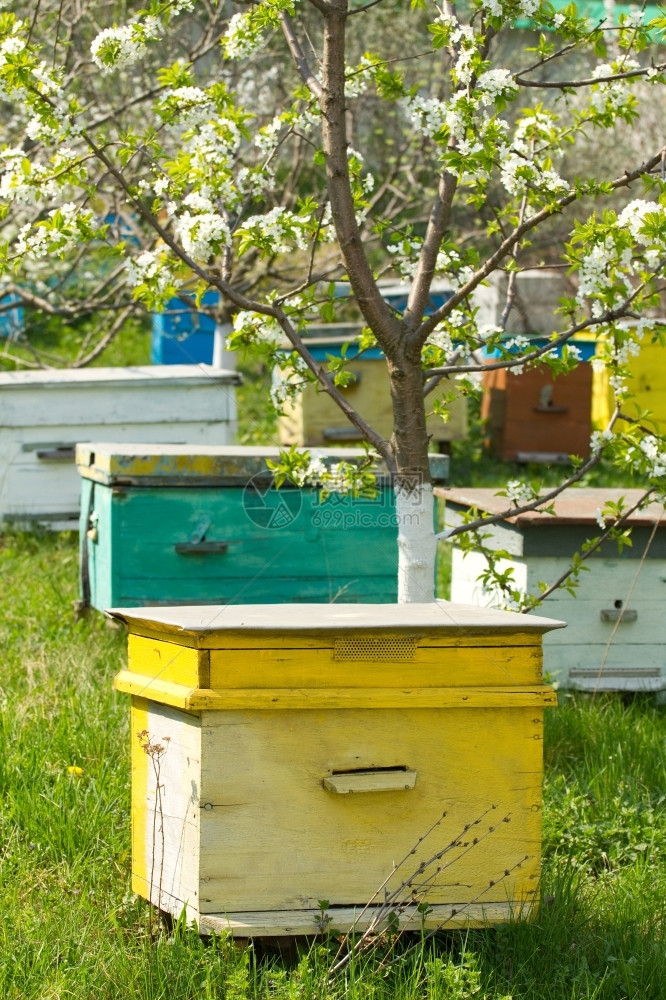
<point x="192" y="105"/>
<point x="611" y="95"/>
<point x="115" y="48"/>
<point x="357" y="78"/>
<point x="150" y="268"/>
<point x="59" y="237"/>
<point x="599" y="439"/>
<point x="258" y="328"/>
<point x="497" y="83"/>
<point x="649" y="446"/>
<point x="202" y="235"/>
<point x="241" y="38"/>
<point x="518" y="492"/>
<point x="633" y="217"/>
<point x="280" y="228"/>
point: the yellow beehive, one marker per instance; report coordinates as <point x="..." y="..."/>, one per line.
<point x="305" y="749"/>
<point x="314" y="420"/>
<point x="647" y="385"/>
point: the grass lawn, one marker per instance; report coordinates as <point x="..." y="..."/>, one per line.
<point x="72" y="928"/>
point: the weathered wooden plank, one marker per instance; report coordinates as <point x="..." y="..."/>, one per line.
<point x="158" y="464"/>
<point x="345" y="919"/>
<point x="165" y="827"/>
<point x="140" y="765"/>
<point x="592" y="656"/>
<point x="169" y="662"/>
<point x="198" y="699"/>
<point x="277" y="640"/>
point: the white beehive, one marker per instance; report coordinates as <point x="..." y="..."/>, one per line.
<point x="44" y="414"/>
<point x="536" y="297"/>
<point x="616" y="625"/>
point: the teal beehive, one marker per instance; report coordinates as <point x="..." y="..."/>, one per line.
<point x="171" y="524"/>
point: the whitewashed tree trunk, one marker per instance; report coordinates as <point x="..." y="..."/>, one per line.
<point x="222" y="358"/>
<point x="416" y="543"/>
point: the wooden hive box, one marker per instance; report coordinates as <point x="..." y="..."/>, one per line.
<point x="533" y="417"/>
<point x="43" y="414"/>
<point x="314" y="420"/>
<point x="182" y="334"/>
<point x="174" y="524"/>
<point x="647" y="387"/>
<point x="308" y="748"/>
<point x="616" y="626"/>
<point x="537" y="294"/>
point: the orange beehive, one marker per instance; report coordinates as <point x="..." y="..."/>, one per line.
<point x="533" y="417"/>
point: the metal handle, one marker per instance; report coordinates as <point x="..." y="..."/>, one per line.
<point x="379" y="779"/>
<point x="201" y="548"/>
<point x="341" y="434"/>
<point x="615" y="614"/>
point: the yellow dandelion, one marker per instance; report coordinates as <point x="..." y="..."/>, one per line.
<point x="73" y="769"/>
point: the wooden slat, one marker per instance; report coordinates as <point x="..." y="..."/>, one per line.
<point x="198" y="699"/>
<point x="355" y="782"/>
<point x="140" y="765"/>
<point x="467" y="697"/>
<point x="344" y="919"/>
<point x="165" y="841"/>
<point x="169" y="662"/>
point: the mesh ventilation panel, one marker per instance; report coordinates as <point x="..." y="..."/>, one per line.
<point x="395" y="648"/>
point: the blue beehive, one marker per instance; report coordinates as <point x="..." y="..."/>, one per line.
<point x="182" y="334"/>
<point x="11" y="319"/>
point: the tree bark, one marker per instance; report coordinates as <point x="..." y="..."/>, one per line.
<point x="409" y="442"/>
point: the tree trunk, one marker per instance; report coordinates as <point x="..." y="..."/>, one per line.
<point x="416" y="544"/>
<point x="413" y="488"/>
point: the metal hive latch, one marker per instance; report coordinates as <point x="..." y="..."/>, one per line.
<point x="393" y="648"/>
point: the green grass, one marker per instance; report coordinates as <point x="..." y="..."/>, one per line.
<point x="59" y="343"/>
<point x="71" y="927"/>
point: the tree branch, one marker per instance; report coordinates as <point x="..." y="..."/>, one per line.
<point x="507" y="244"/>
<point x="610" y="316"/>
<point x="321" y="6"/>
<point x="588" y="81"/>
<point x="299" y="57"/>
<point x="537" y="504"/>
<point x="376" y="312"/>
<point x="617" y="523"/>
<point x="103" y="343"/>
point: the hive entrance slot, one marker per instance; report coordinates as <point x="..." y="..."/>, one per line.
<point x="371" y="770"/>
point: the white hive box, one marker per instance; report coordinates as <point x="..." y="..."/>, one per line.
<point x="616" y="632"/>
<point x="537" y="294"/>
<point x="44" y="414"/>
